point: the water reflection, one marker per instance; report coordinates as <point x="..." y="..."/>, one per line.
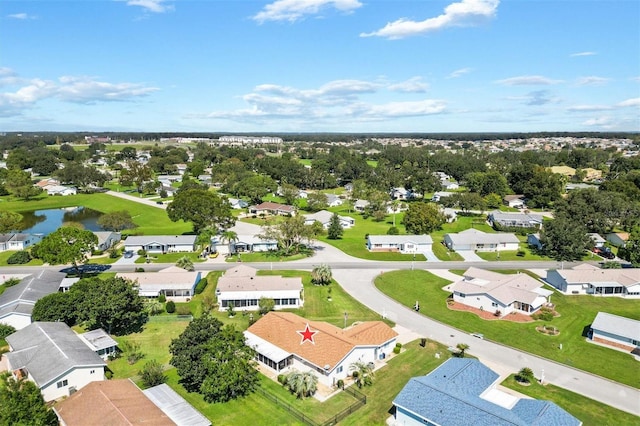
<point x="47" y="221"/>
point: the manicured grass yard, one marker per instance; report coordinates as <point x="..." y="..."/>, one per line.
<point x="6" y="254"/>
<point x="170" y="257"/>
<point x="592" y="413"/>
<point x="150" y="220"/>
<point x="318" y="307"/>
<point x="154" y="342"/>
<point x="576" y="314"/>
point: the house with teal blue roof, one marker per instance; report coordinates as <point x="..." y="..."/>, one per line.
<point x="464" y="391"/>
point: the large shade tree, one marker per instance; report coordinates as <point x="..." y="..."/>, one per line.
<point x="66" y="245"/>
<point x="564" y="240"/>
<point x="214" y="360"/>
<point x="202" y="208"/>
<point x="9" y="221"/>
<point x="423" y="218"/>
<point x="112" y="304"/>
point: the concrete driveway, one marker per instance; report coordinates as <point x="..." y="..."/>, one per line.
<point x="470" y="256"/>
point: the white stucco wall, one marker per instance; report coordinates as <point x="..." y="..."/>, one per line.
<point x="248" y="295"/>
<point x="78" y="378"/>
<point x="483" y="302"/>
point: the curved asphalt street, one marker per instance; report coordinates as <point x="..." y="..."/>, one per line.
<point x="356" y="277"/>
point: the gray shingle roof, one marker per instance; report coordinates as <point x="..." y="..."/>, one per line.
<point x="450" y="395"/>
<point x="32" y="288"/>
<point x="399" y="239"/>
<point x="473" y="236"/>
<point x="48" y="350"/>
<point x="617" y="325"/>
<point x="161" y="239"/>
<point x="98" y="339"/>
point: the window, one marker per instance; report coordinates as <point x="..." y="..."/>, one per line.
<point x="62" y="383"/>
<point x="339" y="370"/>
<point x="92" y="372"/>
<point x="494" y="304"/>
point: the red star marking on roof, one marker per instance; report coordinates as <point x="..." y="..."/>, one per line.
<point x="307" y="334"/>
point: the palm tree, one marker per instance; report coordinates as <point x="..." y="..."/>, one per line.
<point x="204" y="237"/>
<point x="321" y="275"/>
<point x="525" y="375"/>
<point x="310" y="382"/>
<point x="461" y="348"/>
<point x="230" y="237"/>
<point x="362" y="373"/>
<point x="185" y="263"/>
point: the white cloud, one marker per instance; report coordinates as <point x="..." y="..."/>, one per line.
<point x="604" y="122"/>
<point x="155" y="6"/>
<point x="636" y="79"/>
<point x="460" y="72"/>
<point x="413" y="85"/>
<point x="338" y="100"/>
<point x="573" y="55"/>
<point x="588" y="108"/>
<point x="21" y="16"/>
<point x="592" y="81"/>
<point x="633" y="102"/>
<point x="28" y="92"/>
<point x="464" y="13"/>
<point x="293" y="10"/>
<point x="528" y="80"/>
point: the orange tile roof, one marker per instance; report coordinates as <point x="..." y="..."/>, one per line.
<point x="112" y="403"/>
<point x="330" y="344"/>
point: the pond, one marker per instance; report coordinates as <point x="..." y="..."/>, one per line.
<point x="47" y="221"/>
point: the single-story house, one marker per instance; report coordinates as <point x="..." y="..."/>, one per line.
<point x="449" y="185"/>
<point x="17" y="302"/>
<point x="47" y="182"/>
<point x="110" y="402"/>
<point x="598" y="240"/>
<point x="618" y="239"/>
<point x="237" y="203"/>
<point x="170" y="190"/>
<point x="473" y="239"/>
<point x="52" y="356"/>
<point x="516" y="201"/>
<point x="169" y="178"/>
<point x="252" y="243"/>
<point x="100" y="342"/>
<point x="399" y="194"/>
<point x="514" y="220"/>
<point x="400" y="243"/>
<point x="503" y="293"/>
<point x="450" y="214"/>
<point x="324" y="217"/>
<point x="589" y="279"/>
<point x="181" y="168"/>
<point x="18" y="241"/>
<point x="241" y="287"/>
<point x="613" y="330"/>
<point x="563" y="170"/>
<point x="285" y="341"/>
<point x="175" y="283"/>
<point x="270" y="208"/>
<point x="176" y="407"/>
<point x="60" y="190"/>
<point x="360" y="205"/>
<point x="107" y="239"/>
<point x="463" y="391"/>
<point x="572" y="186"/>
<point x="333" y="200"/>
<point x="440" y="195"/>
<point x="533" y="240"/>
<point x="303" y="194"/>
<point x="161" y="243"/>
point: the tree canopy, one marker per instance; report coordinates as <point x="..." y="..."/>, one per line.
<point x="21" y="403"/>
<point x="9" y="221"/>
<point x="423" y="218"/>
<point x="564" y="240"/>
<point x="335" y="230"/>
<point x="116" y="221"/>
<point x="202" y="208"/>
<point x="112" y="304"/>
<point x="213" y="360"/>
<point x="66" y="245"/>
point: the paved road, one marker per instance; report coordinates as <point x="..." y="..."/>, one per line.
<point x="137" y="199"/>
<point x="359" y="284"/>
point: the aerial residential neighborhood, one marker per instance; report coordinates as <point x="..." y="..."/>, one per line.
<point x="327" y="296"/>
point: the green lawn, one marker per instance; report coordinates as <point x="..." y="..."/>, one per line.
<point x="576" y="314"/>
<point x="590" y="412"/>
<point x="6" y="254"/>
<point x="318" y="307"/>
<point x="150" y="220"/>
<point x="264" y="256"/>
<point x="154" y="342"/>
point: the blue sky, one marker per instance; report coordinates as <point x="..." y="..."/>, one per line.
<point x="320" y="65"/>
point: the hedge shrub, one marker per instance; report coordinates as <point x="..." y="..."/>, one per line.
<point x="170" y="307"/>
<point x="202" y="284"/>
<point x="19" y="258"/>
